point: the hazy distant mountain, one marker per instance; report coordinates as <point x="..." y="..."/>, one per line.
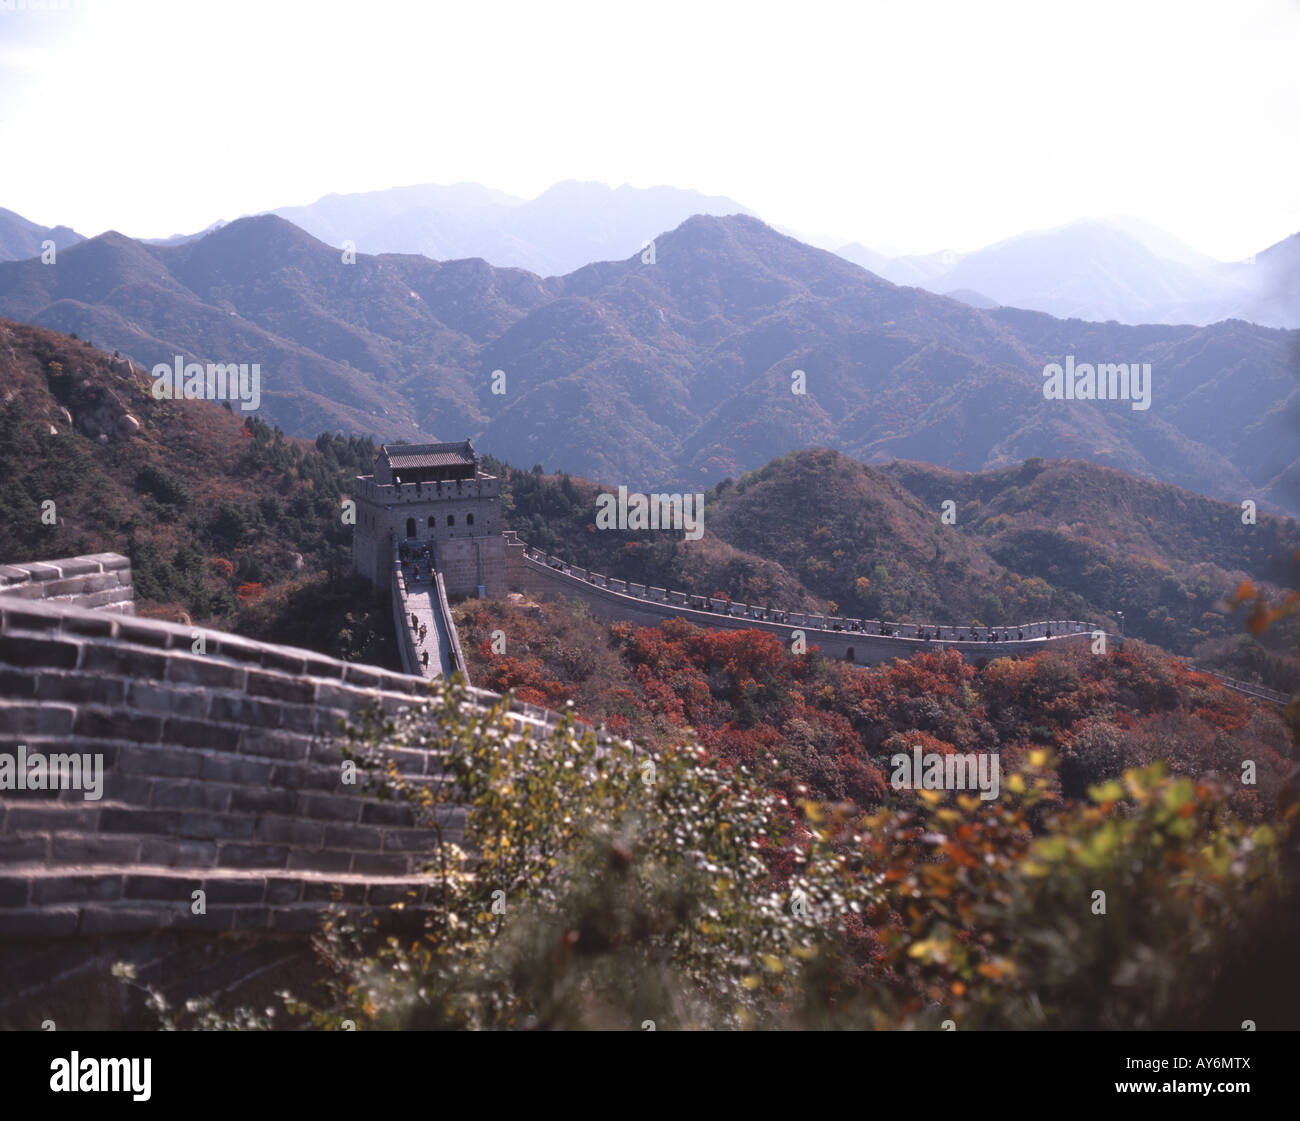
<point x="873" y="261"/>
<point x="1086" y="270"/>
<point x="181" y="239"/>
<point x="1160" y="243"/>
<point x="918" y="271"/>
<point x="20" y="239"/>
<point x="564" y="228"/>
<point x="1277" y="284"/>
<point x="678" y="372"/>
<point x="970" y="296"/>
<point x="1119" y="269"/>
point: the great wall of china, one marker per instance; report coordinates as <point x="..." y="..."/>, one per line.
<point x="219" y="771"/>
<point x="218" y="776"/>
<point x="853" y="640"/>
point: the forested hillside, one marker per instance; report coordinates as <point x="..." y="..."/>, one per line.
<point x="227" y="522"/>
<point x="678" y="368"/>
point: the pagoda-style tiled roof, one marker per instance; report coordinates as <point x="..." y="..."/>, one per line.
<point x="407" y="456"/>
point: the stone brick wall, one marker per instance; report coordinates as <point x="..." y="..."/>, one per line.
<point x="466" y="526"/>
<point x="454" y="661"/>
<point x="464" y="560"/>
<point x="402" y="616"/>
<point x="100" y="580"/>
<point x="648" y="606"/>
<point x="615" y="600"/>
<point x="217" y="777"/>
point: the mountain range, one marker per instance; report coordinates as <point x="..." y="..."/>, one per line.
<point x="565" y="227"/>
<point x="678" y="372"/>
<point x="206" y="502"/>
<point x="569" y="225"/>
<point x="1120" y="268"/>
<point x="20" y="238"/>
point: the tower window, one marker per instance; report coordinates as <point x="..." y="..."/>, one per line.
<point x="451" y="519"/>
<point x="430" y="521"/>
<point x="410" y="527"/>
<point x="469" y="519"/>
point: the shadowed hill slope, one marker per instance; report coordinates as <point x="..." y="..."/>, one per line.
<point x="667" y="370"/>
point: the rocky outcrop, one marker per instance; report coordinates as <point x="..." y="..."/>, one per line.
<point x="101" y="414"/>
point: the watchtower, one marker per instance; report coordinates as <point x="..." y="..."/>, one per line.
<point x="432" y="494"/>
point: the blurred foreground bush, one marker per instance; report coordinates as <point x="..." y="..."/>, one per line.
<point x="610" y="889"/>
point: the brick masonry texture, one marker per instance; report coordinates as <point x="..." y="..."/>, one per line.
<point x="218" y="776"/>
<point x="100" y="580"/>
<point x="613" y="600"/>
<point x="530" y="571"/>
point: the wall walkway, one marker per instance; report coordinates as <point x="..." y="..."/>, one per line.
<point x="867" y="642"/>
<point x="426" y="631"/>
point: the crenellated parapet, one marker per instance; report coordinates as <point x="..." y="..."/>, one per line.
<point x="483" y="487"/>
<point x="864" y="641"/>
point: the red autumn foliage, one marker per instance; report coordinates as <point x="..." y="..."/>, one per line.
<point x="828" y="728"/>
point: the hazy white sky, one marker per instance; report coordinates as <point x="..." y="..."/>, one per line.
<point x="907" y="125"/>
